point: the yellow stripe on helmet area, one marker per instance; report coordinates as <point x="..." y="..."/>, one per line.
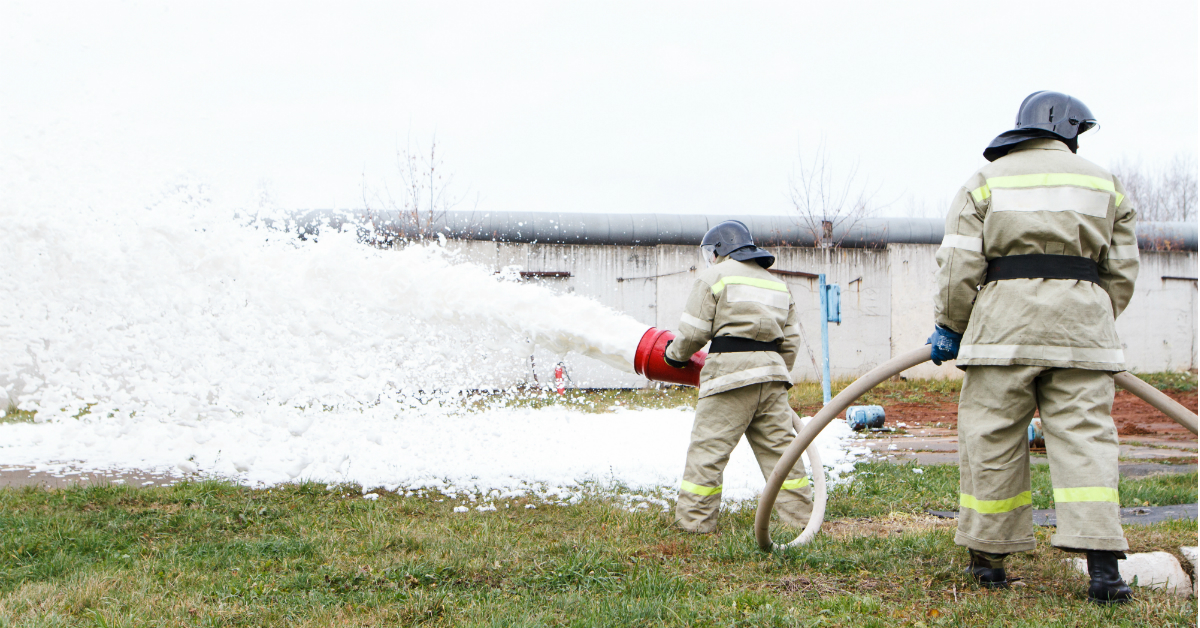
<point x="696" y="489"/>
<point x="995" y="506"/>
<point x="1087" y="494"/>
<point x="748" y="281"/>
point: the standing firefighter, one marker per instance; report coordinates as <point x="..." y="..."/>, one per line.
<point x="751" y="320"/>
<point x="1038" y="261"/>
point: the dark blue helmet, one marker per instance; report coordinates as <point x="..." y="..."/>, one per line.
<point x="1044" y="115"/>
<point x="1058" y="113"/>
<point x="732" y="238"/>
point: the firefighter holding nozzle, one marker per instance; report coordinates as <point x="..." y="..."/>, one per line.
<point x="750" y="318"/>
<point x="1038" y="260"/>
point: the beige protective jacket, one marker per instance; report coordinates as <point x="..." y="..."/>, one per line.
<point x="1039" y="199"/>
<point x="743" y="300"/>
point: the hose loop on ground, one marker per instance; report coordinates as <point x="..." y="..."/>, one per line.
<point x="903" y="362"/>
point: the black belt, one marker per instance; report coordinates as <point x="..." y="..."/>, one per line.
<point x="1042" y="267"/>
<point x="732" y="344"/>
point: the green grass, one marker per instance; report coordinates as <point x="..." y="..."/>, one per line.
<point x="806" y="397"/>
<point x="214" y="554"/>
<point x="879" y="488"/>
<point x="594" y="399"/>
<point x="13" y="415"/>
<point x="1170" y="380"/>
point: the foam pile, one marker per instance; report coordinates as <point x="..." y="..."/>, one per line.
<point x="188" y="337"/>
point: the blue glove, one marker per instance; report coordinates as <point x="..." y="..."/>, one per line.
<point x="945" y="344"/>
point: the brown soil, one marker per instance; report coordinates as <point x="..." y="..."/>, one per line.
<point x="1135" y="417"/>
<point x="1132" y="416"/>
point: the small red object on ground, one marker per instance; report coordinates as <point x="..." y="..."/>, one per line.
<point x="558" y="379"/>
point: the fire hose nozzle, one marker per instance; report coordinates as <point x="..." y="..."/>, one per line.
<point x="649" y="360"/>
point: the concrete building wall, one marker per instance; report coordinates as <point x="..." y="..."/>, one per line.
<point x="886" y="301"/>
<point x="1158" y="329"/>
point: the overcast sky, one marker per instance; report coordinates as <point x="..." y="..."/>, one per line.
<point x="674" y="107"/>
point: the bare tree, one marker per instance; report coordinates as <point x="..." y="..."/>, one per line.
<point x="424" y="193"/>
<point x="1168" y="193"/>
<point x="828" y="204"/>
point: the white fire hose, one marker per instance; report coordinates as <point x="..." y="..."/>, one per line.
<point x="805" y="434"/>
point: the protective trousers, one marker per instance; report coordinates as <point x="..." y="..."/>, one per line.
<point x="996" y="512"/>
<point x="762" y="413"/>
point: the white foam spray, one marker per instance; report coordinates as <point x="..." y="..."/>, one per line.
<point x="186" y="337"/>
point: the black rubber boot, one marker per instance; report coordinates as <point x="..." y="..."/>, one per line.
<point x="1106" y="587"/>
<point x="988" y="569"/>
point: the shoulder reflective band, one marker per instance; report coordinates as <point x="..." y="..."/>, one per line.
<point x="733" y="344"/>
<point x="791" y="485"/>
<point x="696" y="489"/>
<point x="1042" y="267"/>
<point x="748" y="281"/>
<point x="995" y="506"/>
<point x="1045" y="179"/>
<point x="1087" y="494"/>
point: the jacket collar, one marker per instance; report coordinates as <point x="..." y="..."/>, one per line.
<point x="1042" y="143"/>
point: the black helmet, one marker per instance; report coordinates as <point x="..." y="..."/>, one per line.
<point x="1058" y="113"/>
<point x="1044" y="115"/>
<point x="732" y="238"/>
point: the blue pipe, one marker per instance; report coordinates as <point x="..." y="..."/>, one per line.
<point x="825" y="389"/>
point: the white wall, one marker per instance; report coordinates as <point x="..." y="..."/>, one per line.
<point x="887" y="297"/>
<point x="1158" y="329"/>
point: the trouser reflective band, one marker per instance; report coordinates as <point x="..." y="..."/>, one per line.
<point x="995" y="506"/>
<point x="696" y="489"/>
<point x="792" y="485"/>
<point x="1086" y="494"/>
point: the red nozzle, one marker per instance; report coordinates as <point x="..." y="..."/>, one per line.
<point x="649" y="360"/>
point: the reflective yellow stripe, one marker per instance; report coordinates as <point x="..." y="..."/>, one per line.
<point x="748" y="281"/>
<point x="994" y="506"/>
<point x="1087" y="494"/>
<point x="981" y="193"/>
<point x="792" y="485"/>
<point x="696" y="489"/>
<point x="1045" y="179"/>
<point x="1120" y="197"/>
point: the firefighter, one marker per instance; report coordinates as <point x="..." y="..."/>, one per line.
<point x="750" y="317"/>
<point x="1038" y="261"/>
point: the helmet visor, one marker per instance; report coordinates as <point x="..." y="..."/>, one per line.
<point x="709" y="253"/>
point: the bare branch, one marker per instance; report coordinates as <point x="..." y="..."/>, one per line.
<point x="1165" y="194"/>
<point x="426" y="194"/>
<point x="827" y="203"/>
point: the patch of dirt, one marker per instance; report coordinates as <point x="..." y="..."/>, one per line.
<point x="1132" y="416"/>
<point x="666" y="549"/>
<point x="894" y="524"/>
<point x="1135" y="417"/>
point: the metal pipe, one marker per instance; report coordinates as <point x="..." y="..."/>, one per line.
<point x="652" y="229"/>
<point x="826" y="385"/>
<point x="805" y="437"/>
